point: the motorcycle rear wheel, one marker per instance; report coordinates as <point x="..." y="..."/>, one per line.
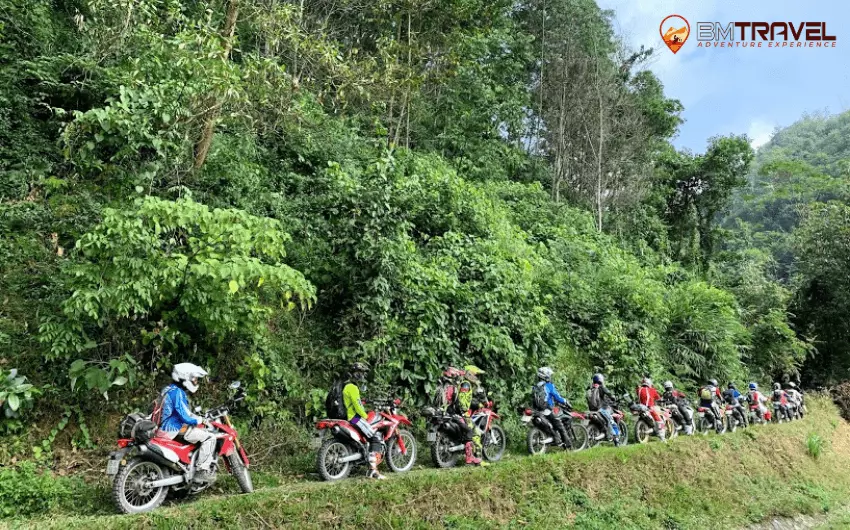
<point x="327" y="461"/>
<point x="128" y="491"/>
<point x="534" y="441"/>
<point x="642" y="432"/>
<point x="440" y="454"/>
<point x="593" y="434"/>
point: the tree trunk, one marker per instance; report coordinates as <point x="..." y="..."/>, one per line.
<point x="202" y="148"/>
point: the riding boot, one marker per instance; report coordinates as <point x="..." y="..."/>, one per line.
<point x="470" y="455"/>
<point x="374" y="460"/>
<point x="566" y="443"/>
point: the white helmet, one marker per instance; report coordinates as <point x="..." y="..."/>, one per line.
<point x="187" y="374"/>
<point x="545" y="373"/>
<point x="668" y="385"/>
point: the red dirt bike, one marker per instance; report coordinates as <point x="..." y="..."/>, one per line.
<point x="757" y="416"/>
<point x="446" y="437"/>
<point x="493" y="438"/>
<point x="146" y="468"/>
<point x="597" y="427"/>
<point x="704" y="425"/>
<point x="540" y="436"/>
<point x="645" y="423"/>
<point x="343" y="446"/>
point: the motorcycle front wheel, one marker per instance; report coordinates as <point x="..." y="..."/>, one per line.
<point x="240" y="473"/>
<point x="400" y="462"/>
<point x="494" y="443"/>
<point x="624" y="433"/>
<point x="128" y="487"/>
<point x="672" y="428"/>
<point x="580" y="436"/>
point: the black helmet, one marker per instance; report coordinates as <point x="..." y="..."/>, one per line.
<point x="731" y="385"/>
<point x="359" y="370"/>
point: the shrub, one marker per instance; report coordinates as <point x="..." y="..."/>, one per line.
<point x="814" y="445"/>
<point x="26" y="491"/>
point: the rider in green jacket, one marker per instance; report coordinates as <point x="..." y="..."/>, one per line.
<point x="362" y="420"/>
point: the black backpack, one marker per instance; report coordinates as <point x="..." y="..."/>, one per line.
<point x="334" y="403"/>
<point x="539" y="396"/>
<point x="594" y="401"/>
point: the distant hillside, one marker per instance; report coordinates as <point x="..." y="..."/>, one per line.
<point x="820" y="139"/>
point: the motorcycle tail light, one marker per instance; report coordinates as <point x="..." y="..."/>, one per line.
<point x="124" y="442"/>
<point x="528" y="412"/>
<point x="396" y="402"/>
<point x="489" y="404"/>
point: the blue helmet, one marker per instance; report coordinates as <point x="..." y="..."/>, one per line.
<point x="598" y="379"/>
<point x="754" y="386"/>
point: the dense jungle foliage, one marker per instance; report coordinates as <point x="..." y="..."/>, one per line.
<point x="275" y="188"/>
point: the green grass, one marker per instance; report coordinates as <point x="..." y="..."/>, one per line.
<point x="814" y="444"/>
<point x="722" y="482"/>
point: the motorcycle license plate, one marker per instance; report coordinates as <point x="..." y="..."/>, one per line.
<point x="729" y="412"/>
<point x="317" y="440"/>
<point x="702" y="414"/>
<point x="432" y="437"/>
<point x="526" y="419"/>
<point x="112" y="467"/>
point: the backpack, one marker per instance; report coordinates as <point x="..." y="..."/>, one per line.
<point x="705" y="394"/>
<point x="155" y="410"/>
<point x="137" y="427"/>
<point x="446" y="395"/>
<point x="539" y="396"/>
<point x="593" y="399"/>
<point x="334" y="403"/>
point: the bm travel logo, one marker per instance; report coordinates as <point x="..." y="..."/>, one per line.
<point x="675" y="30"/>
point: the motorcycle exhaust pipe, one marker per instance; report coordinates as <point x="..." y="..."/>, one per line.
<point x="159" y="459"/>
<point x="169" y="481"/>
<point x="547" y="441"/>
<point x="350" y="458"/>
<point x="457" y="448"/>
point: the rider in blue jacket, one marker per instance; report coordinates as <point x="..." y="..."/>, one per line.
<point x="177" y="418"/>
<point x="560" y="422"/>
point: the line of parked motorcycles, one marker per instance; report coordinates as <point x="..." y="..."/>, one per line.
<point x="146" y="469"/>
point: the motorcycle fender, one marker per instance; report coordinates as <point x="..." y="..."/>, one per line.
<point x="227" y="447"/>
<point x="118" y="459"/>
<point x="403" y="420"/>
<point x="121" y="453"/>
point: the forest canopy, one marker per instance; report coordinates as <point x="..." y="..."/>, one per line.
<point x="274" y="189"/>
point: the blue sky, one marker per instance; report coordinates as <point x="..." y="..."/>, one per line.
<point x="738" y="90"/>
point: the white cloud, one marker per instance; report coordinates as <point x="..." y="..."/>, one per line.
<point x="760" y="133"/>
